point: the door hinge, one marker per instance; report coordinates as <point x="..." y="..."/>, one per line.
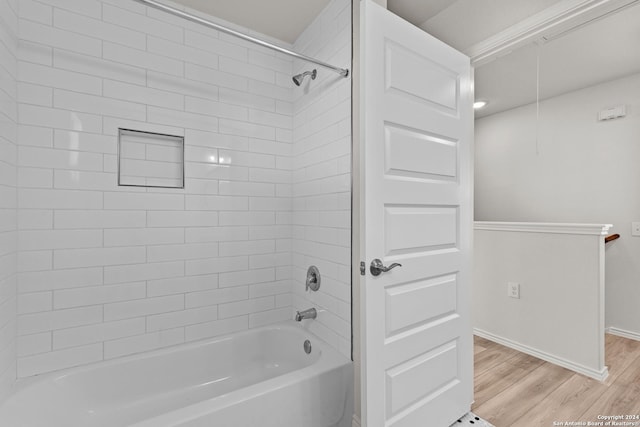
<point x="363" y="268"/>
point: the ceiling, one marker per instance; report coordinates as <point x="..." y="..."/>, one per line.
<point x="603" y="50"/>
<point x="282" y="19"/>
<point x="463" y="23"/>
<point x="459" y="23"/>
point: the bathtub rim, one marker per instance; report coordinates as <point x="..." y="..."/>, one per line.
<point x="329" y="359"/>
<point x="196" y="410"/>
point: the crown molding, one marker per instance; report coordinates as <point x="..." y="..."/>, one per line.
<point x="559" y="18"/>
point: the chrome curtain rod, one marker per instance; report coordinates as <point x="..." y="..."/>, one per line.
<point x="176" y="12"/>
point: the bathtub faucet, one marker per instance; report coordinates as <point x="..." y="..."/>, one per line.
<point x="306" y="314"/>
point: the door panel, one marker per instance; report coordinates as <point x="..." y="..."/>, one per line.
<point x="415" y="154"/>
<point x="421" y="376"/>
<point x="418" y="77"/>
<point x="412" y="304"/>
<point x="417" y="228"/>
<point x="416" y="171"/>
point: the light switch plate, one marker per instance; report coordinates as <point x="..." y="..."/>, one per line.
<point x="635" y="228"/>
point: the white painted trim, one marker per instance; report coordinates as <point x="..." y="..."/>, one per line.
<point x="542" y="227"/>
<point x="623" y="333"/>
<point x="355" y="421"/>
<point x="598" y="375"/>
<point x="560" y="17"/>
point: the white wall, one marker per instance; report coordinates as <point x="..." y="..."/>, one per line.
<point x="560" y="269"/>
<point x="322" y="177"/>
<point x="585" y="171"/>
<point x="8" y="197"/>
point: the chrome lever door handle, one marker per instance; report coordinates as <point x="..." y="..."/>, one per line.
<point x="377" y="267"/>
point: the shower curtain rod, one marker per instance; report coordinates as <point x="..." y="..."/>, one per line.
<point x="176" y="12"/>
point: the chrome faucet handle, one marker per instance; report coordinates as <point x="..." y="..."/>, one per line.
<point x="313" y="279"/>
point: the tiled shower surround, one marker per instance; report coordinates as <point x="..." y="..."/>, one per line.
<point x="322" y="176"/>
<point x="8" y="193"/>
<point x="106" y="271"/>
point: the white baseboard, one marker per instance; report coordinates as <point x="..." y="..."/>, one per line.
<point x="622" y="333"/>
<point x="576" y="367"/>
<point x="355" y="421"/>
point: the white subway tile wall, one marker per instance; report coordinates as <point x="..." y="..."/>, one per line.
<point x="8" y="192"/>
<point x="322" y="177"/>
<point x="106" y="271"/>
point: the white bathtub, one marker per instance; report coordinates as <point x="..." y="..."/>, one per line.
<point x="261" y="377"/>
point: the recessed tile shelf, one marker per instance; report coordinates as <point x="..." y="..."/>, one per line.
<point x="148" y="159"/>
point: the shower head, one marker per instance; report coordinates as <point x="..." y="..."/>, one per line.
<point x="299" y="78"/>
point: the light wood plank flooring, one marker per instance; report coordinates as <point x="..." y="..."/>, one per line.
<point x="514" y="389"/>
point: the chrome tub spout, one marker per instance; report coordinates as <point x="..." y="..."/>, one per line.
<point x="306" y="314"/>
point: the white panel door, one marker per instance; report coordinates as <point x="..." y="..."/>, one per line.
<point x="417" y="132"/>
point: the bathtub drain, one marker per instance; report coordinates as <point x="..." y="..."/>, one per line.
<point x="307" y="346"/>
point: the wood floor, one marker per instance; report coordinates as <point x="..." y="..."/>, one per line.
<point x="514" y="389"/>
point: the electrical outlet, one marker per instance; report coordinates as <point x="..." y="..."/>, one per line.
<point x="513" y="290"/>
<point x="635" y="228"/>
